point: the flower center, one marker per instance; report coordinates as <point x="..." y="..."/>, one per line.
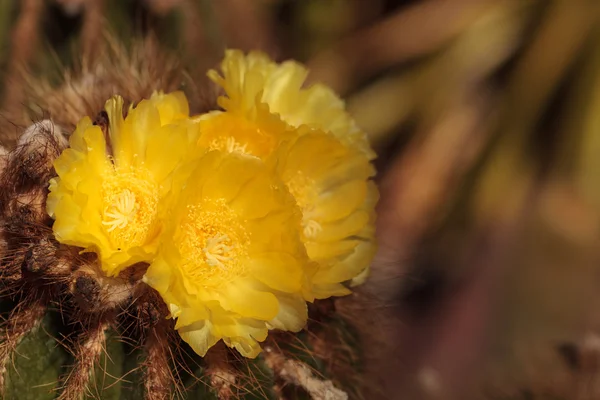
<point x="121" y="211"/>
<point x="304" y="191"/>
<point x="233" y="134"/>
<point x="228" y="144"/>
<point x="217" y="251"/>
<point x="130" y="202"/>
<point x="214" y="243"/>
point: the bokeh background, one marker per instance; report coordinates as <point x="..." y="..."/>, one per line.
<point x="486" y="118"/>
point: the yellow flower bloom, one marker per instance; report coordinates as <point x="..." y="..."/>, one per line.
<point x="260" y="90"/>
<point x="231" y="265"/>
<point x="330" y="182"/>
<point x="110" y="185"/>
<point x="320" y="153"/>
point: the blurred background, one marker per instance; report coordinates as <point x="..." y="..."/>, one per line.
<point x="486" y="118"/>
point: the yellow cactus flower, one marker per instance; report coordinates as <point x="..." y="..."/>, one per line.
<point x="111" y="181"/>
<point x="321" y="154"/>
<point x="330" y="182"/>
<point x="231" y="265"/>
<point x="262" y="91"/>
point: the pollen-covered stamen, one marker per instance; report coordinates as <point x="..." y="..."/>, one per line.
<point x="121" y="211"/>
<point x="234" y="146"/>
<point x="311" y="228"/>
<point x="130" y="201"/>
<point x="229" y="144"/>
<point x="213" y="243"/>
<point x="217" y="250"/>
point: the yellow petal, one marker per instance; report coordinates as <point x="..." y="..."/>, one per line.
<point x="349" y="267"/>
<point x="329" y="250"/>
<point x="252" y="206"/>
<point x="189" y="315"/>
<point x="158" y="275"/>
<point x="199" y="336"/>
<point x="239" y="297"/>
<point x="326" y="290"/>
<point x="121" y="143"/>
<point x="292" y="315"/>
<point x="341" y="201"/>
<point x="342" y="228"/>
<point x="247" y="347"/>
<point x="171" y="107"/>
<point x="141" y="121"/>
<point x="279" y="271"/>
<point x="76" y="141"/>
<point x="165" y="149"/>
<point x="237" y="170"/>
<point x="361" y="278"/>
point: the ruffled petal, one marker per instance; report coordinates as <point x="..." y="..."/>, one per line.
<point x="292" y="315"/>
<point x="279" y="271"/>
<point x="199" y="336"/>
<point x="171" y="107"/>
<point x="240" y="298"/>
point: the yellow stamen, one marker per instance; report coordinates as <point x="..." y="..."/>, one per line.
<point x="228" y="144"/>
<point x="130" y="200"/>
<point x="216" y="250"/>
<point x="311" y="228"/>
<point x="213" y="236"/>
<point x="122" y="211"/>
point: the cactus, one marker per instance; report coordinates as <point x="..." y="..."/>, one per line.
<point x="72" y="331"/>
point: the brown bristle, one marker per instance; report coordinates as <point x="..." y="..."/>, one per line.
<point x="3" y="158"/>
<point x="20" y="322"/>
<point x="157" y="378"/>
<point x="31" y="163"/>
<point x="87" y="354"/>
<point x="25" y="179"/>
<point x="222" y="376"/>
<point x="30" y="206"/>
<point x="11" y="271"/>
<point x="94" y="291"/>
<point x="133" y="74"/>
<point x="295" y="372"/>
<point x="40" y="257"/>
<point x="149" y="309"/>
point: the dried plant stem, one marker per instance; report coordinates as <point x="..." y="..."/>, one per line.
<point x="158" y="378"/>
<point x="297" y="373"/>
<point x="87" y="355"/>
<point x="21" y="321"/>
